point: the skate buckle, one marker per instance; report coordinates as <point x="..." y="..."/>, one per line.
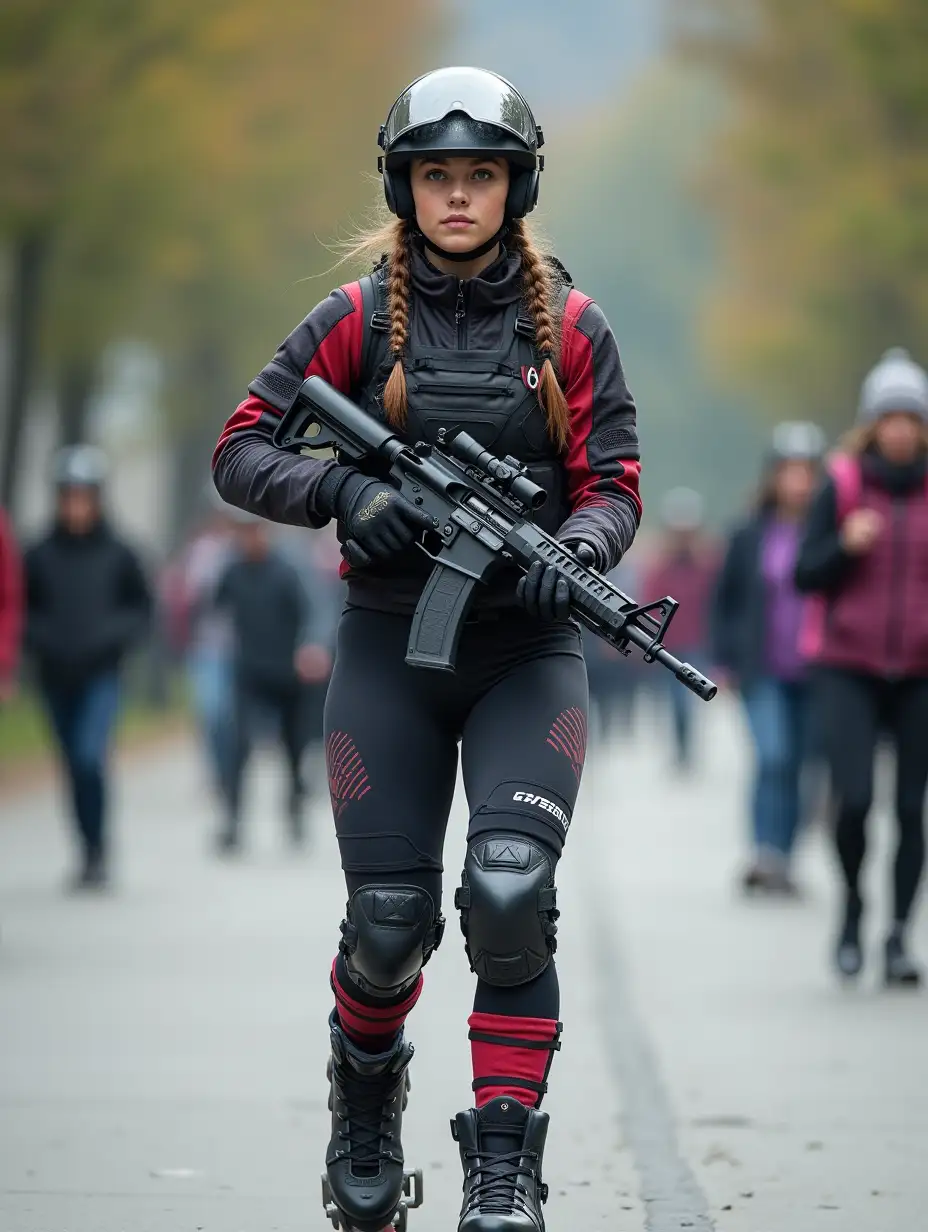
<point x="412" y="1197"/>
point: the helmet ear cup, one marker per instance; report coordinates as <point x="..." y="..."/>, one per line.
<point x="523" y="192"/>
<point x="398" y="193"/>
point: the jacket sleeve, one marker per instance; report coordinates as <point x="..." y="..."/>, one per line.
<point x="248" y="470"/>
<point x="728" y="600"/>
<point x="822" y="562"/>
<point x="131" y="621"/>
<point x="11" y="601"/>
<point x="602" y="453"/>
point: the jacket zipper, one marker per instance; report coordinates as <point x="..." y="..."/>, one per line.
<point x="459" y="315"/>
<point x="894" y="626"/>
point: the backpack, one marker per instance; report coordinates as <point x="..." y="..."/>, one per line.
<point x="847" y="476"/>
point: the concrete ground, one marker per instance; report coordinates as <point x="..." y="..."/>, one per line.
<point x="162" y="1050"/>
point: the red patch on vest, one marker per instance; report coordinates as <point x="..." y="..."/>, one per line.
<point x="530" y="377"/>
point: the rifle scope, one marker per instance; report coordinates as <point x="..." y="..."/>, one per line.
<point x="508" y="478"/>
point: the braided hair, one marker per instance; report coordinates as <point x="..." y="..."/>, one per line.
<point x="540" y="298"/>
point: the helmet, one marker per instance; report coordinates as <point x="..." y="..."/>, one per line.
<point x="461" y="111"/>
<point x="797" y="441"/>
<point x="897" y="383"/>
<point x="682" y="509"/>
<point x="79" y="466"/>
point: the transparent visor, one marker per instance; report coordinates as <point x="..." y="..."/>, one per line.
<point x="480" y="95"/>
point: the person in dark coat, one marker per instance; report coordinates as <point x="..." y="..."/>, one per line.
<point x="88" y="604"/>
<point x="756" y="622"/>
<point x="274" y="660"/>
<point x="865" y="557"/>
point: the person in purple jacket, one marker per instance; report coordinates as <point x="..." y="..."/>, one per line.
<point x="756" y="620"/>
<point x="865" y="553"/>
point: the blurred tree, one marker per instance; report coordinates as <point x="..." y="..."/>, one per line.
<point x="822" y="187"/>
<point x="620" y="204"/>
<point x="170" y="162"/>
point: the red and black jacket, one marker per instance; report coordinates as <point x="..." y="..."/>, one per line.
<point x="463" y="367"/>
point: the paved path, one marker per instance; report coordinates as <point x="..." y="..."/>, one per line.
<point x="162" y="1052"/>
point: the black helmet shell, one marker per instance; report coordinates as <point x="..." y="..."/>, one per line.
<point x="461" y="111"/>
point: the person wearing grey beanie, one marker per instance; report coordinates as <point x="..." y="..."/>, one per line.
<point x="864" y="558"/>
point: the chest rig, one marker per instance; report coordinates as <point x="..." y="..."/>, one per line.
<point x="492" y="394"/>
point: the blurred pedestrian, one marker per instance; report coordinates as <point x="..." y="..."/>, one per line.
<point x="88" y="603"/>
<point x="11" y="609"/>
<point x="684" y="567"/>
<point x="866" y="554"/>
<point x="614" y="677"/>
<point x="274" y="659"/>
<point x="205" y="631"/>
<point x="755" y="624"/>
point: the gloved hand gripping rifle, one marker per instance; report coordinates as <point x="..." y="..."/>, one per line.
<point x="481" y="509"/>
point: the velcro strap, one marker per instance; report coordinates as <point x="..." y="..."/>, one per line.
<point x="547" y="898"/>
<point x="462" y="897"/>
<point x="508" y="1041"/>
<point x="479" y="1083"/>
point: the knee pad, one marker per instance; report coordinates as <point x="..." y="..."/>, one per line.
<point x="507" y="900"/>
<point x="388" y="936"/>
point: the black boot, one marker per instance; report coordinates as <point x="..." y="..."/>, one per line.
<point x="502" y="1146"/>
<point x="849" y="958"/>
<point x="364" y="1183"/>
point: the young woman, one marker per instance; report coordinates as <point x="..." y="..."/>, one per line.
<point x="475" y="330"/>
<point x="866" y="554"/>
<point x="756" y="621"/>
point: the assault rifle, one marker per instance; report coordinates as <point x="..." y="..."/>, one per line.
<point x="481" y="509"/>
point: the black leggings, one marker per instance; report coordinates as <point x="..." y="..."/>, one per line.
<point x="856" y="710"/>
<point x="517" y="704"/>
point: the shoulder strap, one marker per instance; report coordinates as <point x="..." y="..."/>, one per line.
<point x="375" y="320"/>
<point x="848" y="480"/>
<point x="525" y="325"/>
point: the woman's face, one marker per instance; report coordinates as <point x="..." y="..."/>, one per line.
<point x="899" y="436"/>
<point x="460" y="202"/>
<point x="794" y="484"/>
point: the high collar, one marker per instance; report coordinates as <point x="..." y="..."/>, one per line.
<point x="97" y="532"/>
<point x="894" y="477"/>
<point x="499" y="285"/>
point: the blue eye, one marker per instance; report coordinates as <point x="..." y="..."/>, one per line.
<point x="435" y="174"/>
<point x="483" y="173"/>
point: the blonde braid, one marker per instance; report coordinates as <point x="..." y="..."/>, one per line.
<point x="394" y="394"/>
<point x="540" y="295"/>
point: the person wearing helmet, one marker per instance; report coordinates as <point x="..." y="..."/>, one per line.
<point x="684" y="566"/>
<point x="865" y="558"/>
<point x="87" y="604"/>
<point x="755" y="624"/>
<point x="464" y="324"/>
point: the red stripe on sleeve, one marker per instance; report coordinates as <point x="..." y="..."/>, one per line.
<point x="336" y="358"/>
<point x="577" y="367"/>
<point x="584" y="485"/>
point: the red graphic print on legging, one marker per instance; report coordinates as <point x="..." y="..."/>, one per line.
<point x="347" y="777"/>
<point x="568" y="736"/>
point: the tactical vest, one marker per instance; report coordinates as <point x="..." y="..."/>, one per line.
<point x="493" y="395"/>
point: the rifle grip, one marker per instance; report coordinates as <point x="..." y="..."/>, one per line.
<point x="439" y="619"/>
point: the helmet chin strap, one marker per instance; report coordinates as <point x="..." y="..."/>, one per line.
<point x="472" y="253"/>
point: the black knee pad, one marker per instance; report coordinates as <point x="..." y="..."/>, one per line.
<point x="507" y="901"/>
<point x="388" y="936"/>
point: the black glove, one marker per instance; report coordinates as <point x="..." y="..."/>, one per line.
<point x="378" y="521"/>
<point x="545" y="595"/>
